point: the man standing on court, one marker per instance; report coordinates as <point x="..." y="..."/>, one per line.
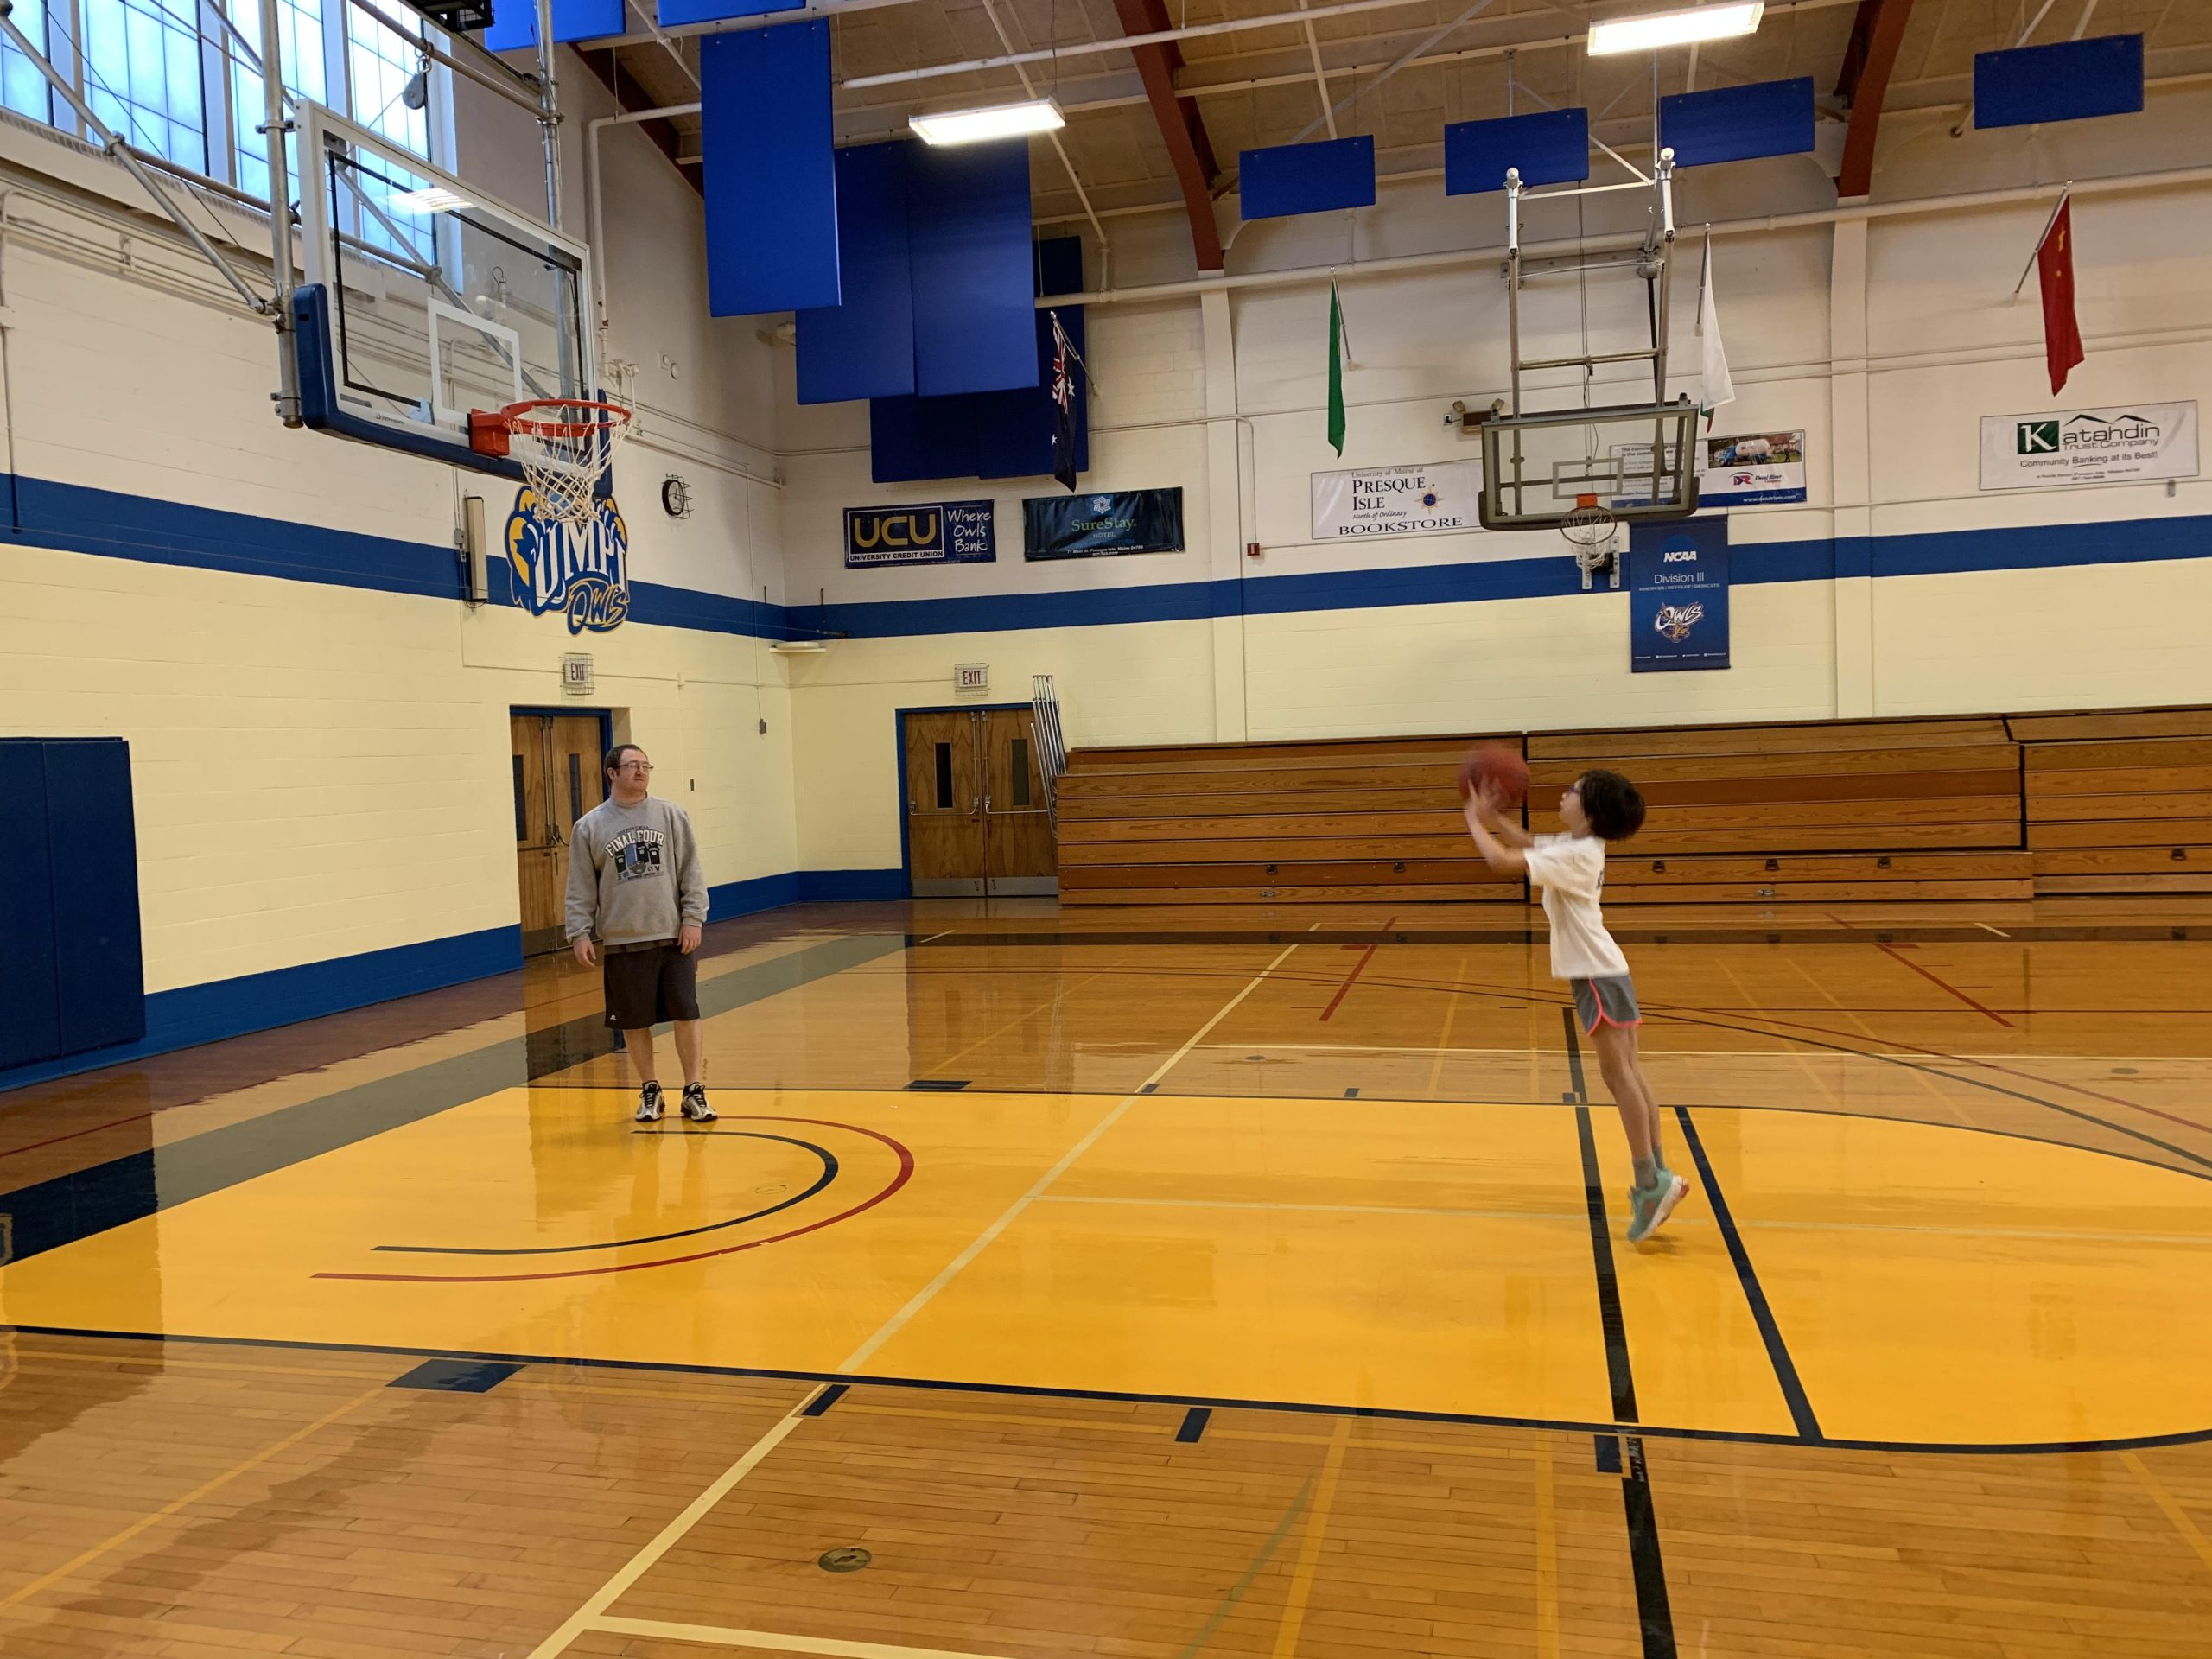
<point x="636" y="887"/>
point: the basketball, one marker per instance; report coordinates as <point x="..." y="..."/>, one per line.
<point x="1497" y="767"/>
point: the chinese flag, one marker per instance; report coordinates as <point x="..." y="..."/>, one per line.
<point x="2062" y="335"/>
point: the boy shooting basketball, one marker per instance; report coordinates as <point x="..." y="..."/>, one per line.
<point x="1598" y="807"/>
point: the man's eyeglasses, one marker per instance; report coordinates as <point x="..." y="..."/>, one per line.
<point x="638" y="767"/>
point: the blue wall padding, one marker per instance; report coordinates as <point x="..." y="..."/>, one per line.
<point x="771" y="170"/>
<point x="997" y="433"/>
<point x="99" y="975"/>
<point x="2070" y="81"/>
<point x="514" y="22"/>
<point x="1734" y="124"/>
<point x="1307" y="178"/>
<point x="865" y="347"/>
<point x="30" y="1029"/>
<point x="673" y="12"/>
<point x="968" y="220"/>
<point x="1550" y="147"/>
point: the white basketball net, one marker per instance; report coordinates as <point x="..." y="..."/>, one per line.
<point x="568" y="444"/>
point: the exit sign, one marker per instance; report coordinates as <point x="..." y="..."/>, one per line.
<point x="971" y="679"/>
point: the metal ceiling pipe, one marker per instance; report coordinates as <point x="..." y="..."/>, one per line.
<point x="1314" y="276"/>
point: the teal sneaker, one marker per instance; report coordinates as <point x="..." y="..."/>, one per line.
<point x="1649" y="1206"/>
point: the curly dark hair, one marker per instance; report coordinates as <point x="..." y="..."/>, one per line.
<point x="1613" y="805"/>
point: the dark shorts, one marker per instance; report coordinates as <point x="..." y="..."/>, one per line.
<point x="1610" y="1002"/>
<point x="649" y="985"/>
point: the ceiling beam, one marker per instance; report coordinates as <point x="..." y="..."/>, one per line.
<point x="630" y="97"/>
<point x="1876" y="33"/>
<point x="1180" y="125"/>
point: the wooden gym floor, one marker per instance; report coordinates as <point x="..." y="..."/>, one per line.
<point x="1149" y="1284"/>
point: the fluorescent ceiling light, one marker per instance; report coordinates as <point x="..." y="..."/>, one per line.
<point x="432" y="199"/>
<point x="1000" y="121"/>
<point x="1660" y="29"/>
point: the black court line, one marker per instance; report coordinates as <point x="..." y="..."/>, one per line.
<point x="829" y="1397"/>
<point x="1122" y="1396"/>
<point x="1581" y="1094"/>
<point x="1654" y="1617"/>
<point x="1194" y="1425"/>
<point x="1777" y="1351"/>
<point x="67" y="1208"/>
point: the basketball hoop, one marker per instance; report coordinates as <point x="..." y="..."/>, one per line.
<point x="1589" y="526"/>
<point x="1589" y="530"/>
<point x="572" y="442"/>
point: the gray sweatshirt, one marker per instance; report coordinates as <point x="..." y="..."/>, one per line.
<point x="633" y="874"/>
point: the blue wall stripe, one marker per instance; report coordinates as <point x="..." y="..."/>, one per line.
<point x="106" y="524"/>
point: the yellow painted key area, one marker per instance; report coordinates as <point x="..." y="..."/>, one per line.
<point x="1927" y="1285"/>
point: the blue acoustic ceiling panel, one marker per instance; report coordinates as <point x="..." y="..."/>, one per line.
<point x="1551" y="147"/>
<point x="771" y="170"/>
<point x="865" y="347"/>
<point x="991" y="433"/>
<point x="968" y="220"/>
<point x="1307" y="178"/>
<point x="673" y="12"/>
<point x="514" y="22"/>
<point x="2070" y="81"/>
<point x="1013" y="429"/>
<point x="911" y="438"/>
<point x="1735" y="123"/>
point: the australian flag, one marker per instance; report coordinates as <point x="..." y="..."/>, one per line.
<point x="1064" y="397"/>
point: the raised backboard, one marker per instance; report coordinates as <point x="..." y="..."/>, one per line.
<point x="426" y="299"/>
<point x="1628" y="459"/>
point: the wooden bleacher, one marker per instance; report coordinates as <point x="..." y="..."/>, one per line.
<point x="1819" y="811"/>
<point x="1983" y="807"/>
<point x="2119" y="803"/>
<point x="1284" y="822"/>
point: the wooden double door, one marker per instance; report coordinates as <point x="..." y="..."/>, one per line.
<point x="556" y="780"/>
<point x="976" y="818"/>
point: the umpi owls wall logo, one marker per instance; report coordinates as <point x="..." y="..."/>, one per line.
<point x="584" y="574"/>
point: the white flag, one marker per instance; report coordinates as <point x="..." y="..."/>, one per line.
<point x="1717" y="388"/>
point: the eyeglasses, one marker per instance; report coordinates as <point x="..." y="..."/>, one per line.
<point x="638" y="766"/>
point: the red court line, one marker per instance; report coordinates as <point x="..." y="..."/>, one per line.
<point x="1358" y="969"/>
<point x="905" y="1173"/>
<point x="136" y="1117"/>
<point x="1891" y="951"/>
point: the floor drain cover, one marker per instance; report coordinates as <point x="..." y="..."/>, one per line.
<point x="844" y="1560"/>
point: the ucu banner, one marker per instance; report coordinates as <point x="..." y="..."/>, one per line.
<point x="582" y="573"/>
<point x="937" y="532"/>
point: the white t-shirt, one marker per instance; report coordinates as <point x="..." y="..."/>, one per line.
<point x="1571" y="869"/>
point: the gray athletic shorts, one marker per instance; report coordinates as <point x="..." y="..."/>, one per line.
<point x="1610" y="1002"/>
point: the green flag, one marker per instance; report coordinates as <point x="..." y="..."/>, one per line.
<point x="1336" y="374"/>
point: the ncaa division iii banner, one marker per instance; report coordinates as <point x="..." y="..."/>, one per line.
<point x="1678" y="595"/>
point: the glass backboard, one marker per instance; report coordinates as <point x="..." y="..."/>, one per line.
<point x="1627" y="459"/>
<point x="434" y="300"/>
